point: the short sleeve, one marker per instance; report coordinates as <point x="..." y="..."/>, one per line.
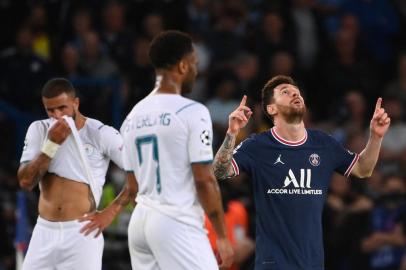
<point x="242" y="159"/>
<point x="128" y="160"/>
<point x="344" y="160"/>
<point x="33" y="140"/>
<point x="200" y="135"/>
<point x="128" y="146"/>
<point x="112" y="144"/>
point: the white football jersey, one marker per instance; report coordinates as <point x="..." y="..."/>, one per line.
<point x="163" y="135"/>
<point x="101" y="143"/>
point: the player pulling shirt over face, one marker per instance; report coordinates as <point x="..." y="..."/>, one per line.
<point x="68" y="155"/>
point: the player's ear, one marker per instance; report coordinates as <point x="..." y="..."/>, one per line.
<point x="271" y="109"/>
<point x="183" y="66"/>
<point x="76" y="103"/>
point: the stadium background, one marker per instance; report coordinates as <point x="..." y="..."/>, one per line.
<point x="343" y="53"/>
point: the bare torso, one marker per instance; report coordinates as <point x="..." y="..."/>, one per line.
<point x="62" y="199"/>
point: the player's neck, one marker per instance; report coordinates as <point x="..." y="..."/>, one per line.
<point x="166" y="83"/>
<point x="79" y="120"/>
<point x="290" y="132"/>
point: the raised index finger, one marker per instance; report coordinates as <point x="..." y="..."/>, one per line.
<point x="243" y="100"/>
<point x="378" y="104"/>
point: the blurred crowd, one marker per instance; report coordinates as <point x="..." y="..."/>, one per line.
<point x="342" y="53"/>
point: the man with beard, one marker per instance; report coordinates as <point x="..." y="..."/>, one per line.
<point x="291" y="167"/>
<point x="68" y="155"/>
<point x="167" y="140"/>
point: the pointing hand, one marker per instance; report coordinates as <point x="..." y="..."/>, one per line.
<point x="239" y="118"/>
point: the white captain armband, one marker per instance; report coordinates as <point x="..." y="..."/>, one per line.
<point x="50" y="148"/>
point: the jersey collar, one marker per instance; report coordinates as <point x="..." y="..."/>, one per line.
<point x="286" y="142"/>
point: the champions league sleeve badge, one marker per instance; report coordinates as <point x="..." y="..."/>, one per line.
<point x="205" y="137"/>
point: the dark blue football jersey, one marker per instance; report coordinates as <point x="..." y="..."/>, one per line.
<point x="290" y="182"/>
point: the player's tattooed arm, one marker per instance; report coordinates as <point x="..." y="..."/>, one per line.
<point x="222" y="162"/>
<point x="30" y="173"/>
<point x="236" y="120"/>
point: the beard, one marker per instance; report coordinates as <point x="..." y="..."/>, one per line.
<point x="292" y="115"/>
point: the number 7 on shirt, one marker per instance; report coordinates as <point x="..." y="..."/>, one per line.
<point x="147" y="140"/>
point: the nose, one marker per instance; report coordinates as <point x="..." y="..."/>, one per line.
<point x="295" y="94"/>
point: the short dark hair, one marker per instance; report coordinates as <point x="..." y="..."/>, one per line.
<point x="168" y="48"/>
<point x="57" y="86"/>
<point x="268" y="90"/>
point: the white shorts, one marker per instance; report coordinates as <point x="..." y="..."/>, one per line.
<point x="157" y="241"/>
<point x="60" y="246"/>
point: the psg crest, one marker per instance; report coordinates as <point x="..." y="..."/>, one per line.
<point x="314" y="160"/>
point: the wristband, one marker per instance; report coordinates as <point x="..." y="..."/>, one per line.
<point x="50" y="148"/>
